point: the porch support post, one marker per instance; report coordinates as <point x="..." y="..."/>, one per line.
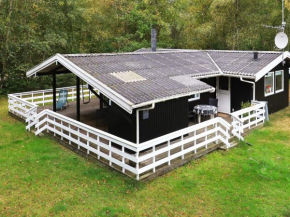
<point x="78" y="100"/>
<point x="101" y="101"/>
<point x="54" y="91"/>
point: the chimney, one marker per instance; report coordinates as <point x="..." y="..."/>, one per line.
<point x="153" y="39"/>
<point x="256" y="55"/>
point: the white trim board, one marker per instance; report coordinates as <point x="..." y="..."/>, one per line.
<point x="109" y="93"/>
<point x="272" y="65"/>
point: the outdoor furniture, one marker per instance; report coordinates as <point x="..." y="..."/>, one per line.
<point x="62" y="100"/>
<point x="207" y="110"/>
<point x="214" y="102"/>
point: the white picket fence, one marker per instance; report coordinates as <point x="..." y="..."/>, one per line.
<point x="23" y="109"/>
<point x="41" y="97"/>
<point x="130" y="158"/>
<point x="248" y="118"/>
<point x="135" y="158"/>
<point x="25" y="104"/>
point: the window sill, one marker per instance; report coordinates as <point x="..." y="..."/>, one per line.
<point x="279" y="91"/>
<point x="269" y="94"/>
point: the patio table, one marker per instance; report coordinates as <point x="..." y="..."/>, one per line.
<point x="205" y="110"/>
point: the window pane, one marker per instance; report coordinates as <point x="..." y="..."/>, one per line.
<point x="269" y="78"/>
<point x="223" y="83"/>
<point x="194" y="97"/>
<point x="279" y="80"/>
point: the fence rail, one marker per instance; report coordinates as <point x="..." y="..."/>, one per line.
<point x="41" y="97"/>
<point x="248" y="118"/>
<point x="128" y="156"/>
<point x="23" y="109"/>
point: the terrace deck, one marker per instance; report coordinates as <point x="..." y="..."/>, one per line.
<point x="90" y="117"/>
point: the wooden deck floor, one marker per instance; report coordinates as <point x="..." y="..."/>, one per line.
<point x="89" y="114"/>
<point x="90" y="117"/>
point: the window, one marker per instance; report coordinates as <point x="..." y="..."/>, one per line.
<point x="269" y="84"/>
<point x="145" y="114"/>
<point x="279" y="81"/>
<point x="194" y="97"/>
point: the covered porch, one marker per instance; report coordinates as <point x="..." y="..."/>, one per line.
<point x="92" y="115"/>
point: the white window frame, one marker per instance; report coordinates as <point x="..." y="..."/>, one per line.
<point x="196" y="97"/>
<point x="281" y="90"/>
<point x="273" y="85"/>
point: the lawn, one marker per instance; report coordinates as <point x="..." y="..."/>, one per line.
<point x="39" y="177"/>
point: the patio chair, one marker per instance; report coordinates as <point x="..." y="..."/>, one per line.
<point x="62" y="102"/>
<point x="213" y="102"/>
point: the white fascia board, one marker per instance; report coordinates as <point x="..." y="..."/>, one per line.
<point x="271" y="65"/>
<point x="42" y="65"/>
<point x="108" y="92"/>
<point x="171" y="97"/>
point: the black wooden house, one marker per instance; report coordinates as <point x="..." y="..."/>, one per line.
<point x="151" y="93"/>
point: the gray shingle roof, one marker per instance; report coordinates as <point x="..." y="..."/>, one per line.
<point x="159" y="69"/>
<point x="168" y="72"/>
<point x="242" y="62"/>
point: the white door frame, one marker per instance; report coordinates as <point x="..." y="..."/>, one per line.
<point x="225" y="93"/>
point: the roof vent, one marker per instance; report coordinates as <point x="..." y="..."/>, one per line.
<point x="128" y="76"/>
<point x="256" y="55"/>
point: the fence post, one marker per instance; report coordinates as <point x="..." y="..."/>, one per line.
<point x="88" y="142"/>
<point x="99" y="149"/>
<point x="256" y="118"/>
<point x="154" y="159"/>
<point x="194" y="134"/>
<point x="123" y="159"/>
<point x="54" y="126"/>
<point x="78" y="138"/>
<point x="69" y="134"/>
<point x="110" y="152"/>
<point x="137" y="165"/>
<point x="168" y="144"/>
<point x="216" y="133"/>
<point x="61" y="130"/>
<point x="205" y="137"/>
<point x="182" y="147"/>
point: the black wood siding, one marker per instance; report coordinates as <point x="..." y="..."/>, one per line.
<point x="204" y="97"/>
<point x="121" y="123"/>
<point x="165" y="118"/>
<point x="277" y="101"/>
<point x="240" y="92"/>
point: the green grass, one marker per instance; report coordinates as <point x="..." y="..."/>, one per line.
<point x="39" y="177"/>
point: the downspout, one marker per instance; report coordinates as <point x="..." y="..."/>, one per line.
<point x="137" y="120"/>
<point x="254" y="87"/>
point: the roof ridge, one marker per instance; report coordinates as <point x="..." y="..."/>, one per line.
<point x="165" y="51"/>
<point x="132" y="53"/>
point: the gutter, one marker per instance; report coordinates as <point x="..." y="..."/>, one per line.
<point x="211" y="90"/>
<point x="254" y="87"/>
<point x="137" y="120"/>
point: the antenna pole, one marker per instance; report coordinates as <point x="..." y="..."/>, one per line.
<point x="283" y="20"/>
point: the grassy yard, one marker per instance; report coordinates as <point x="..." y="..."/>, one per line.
<point x="39" y="177"/>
